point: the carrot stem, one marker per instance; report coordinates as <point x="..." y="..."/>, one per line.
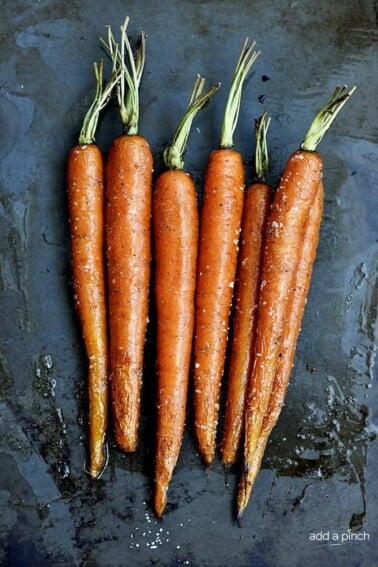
<point x="246" y="59"/>
<point x="173" y="154"/>
<point x="130" y="78"/>
<point x="261" y="152"/>
<point x="103" y="93"/>
<point x="325" y="117"/>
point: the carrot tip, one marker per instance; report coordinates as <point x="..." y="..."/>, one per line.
<point x="228" y="461"/>
<point x="226" y="477"/>
<point x="242" y="498"/>
<point x="240" y="517"/>
<point x="96" y="470"/>
<point x="126" y="444"/>
<point x="207" y="458"/>
<point x="160" y="500"/>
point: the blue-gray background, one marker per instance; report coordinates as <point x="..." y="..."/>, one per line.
<point x="319" y="473"/>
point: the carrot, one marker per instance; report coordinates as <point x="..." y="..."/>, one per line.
<point x="128" y="211"/>
<point x="85" y="186"/>
<point x="218" y="247"/>
<point x="293" y="324"/>
<point x="175" y="237"/>
<point x="257" y="202"/>
<point x="281" y="291"/>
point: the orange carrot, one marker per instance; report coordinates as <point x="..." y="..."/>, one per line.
<point x="293" y="324"/>
<point x="257" y="202"/>
<point x="286" y="231"/>
<point x="175" y="237"/>
<point x="85" y="186"/>
<point x="219" y="235"/>
<point x="128" y="211"/>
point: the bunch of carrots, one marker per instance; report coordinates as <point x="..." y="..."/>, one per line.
<point x="238" y="271"/>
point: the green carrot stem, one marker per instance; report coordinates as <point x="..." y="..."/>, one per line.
<point x="173" y="154"/>
<point x="325" y="117"/>
<point x="261" y="152"/>
<point x="246" y="59"/>
<point x="131" y="71"/>
<point x="103" y="93"/>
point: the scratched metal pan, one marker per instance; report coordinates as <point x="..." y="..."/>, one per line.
<point x="315" y="498"/>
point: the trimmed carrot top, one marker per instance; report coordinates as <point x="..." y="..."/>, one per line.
<point x="246" y="59"/>
<point x="103" y="93"/>
<point x="173" y="153"/>
<point x="130" y="78"/>
<point x="261" y="153"/>
<point x="325" y="117"/>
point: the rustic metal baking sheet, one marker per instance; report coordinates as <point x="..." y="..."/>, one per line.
<point x="315" y="500"/>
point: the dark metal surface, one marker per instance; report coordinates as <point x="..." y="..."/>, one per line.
<point x="319" y="473"/>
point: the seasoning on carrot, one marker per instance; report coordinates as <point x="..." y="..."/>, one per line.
<point x="175" y="237"/>
<point x="258" y="198"/>
<point x="293" y="325"/>
<point x="218" y="248"/>
<point x="85" y="186"/>
<point x="128" y="212"/>
<point x="281" y="289"/>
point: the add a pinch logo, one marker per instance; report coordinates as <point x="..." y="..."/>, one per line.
<point x="338" y="538"/>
